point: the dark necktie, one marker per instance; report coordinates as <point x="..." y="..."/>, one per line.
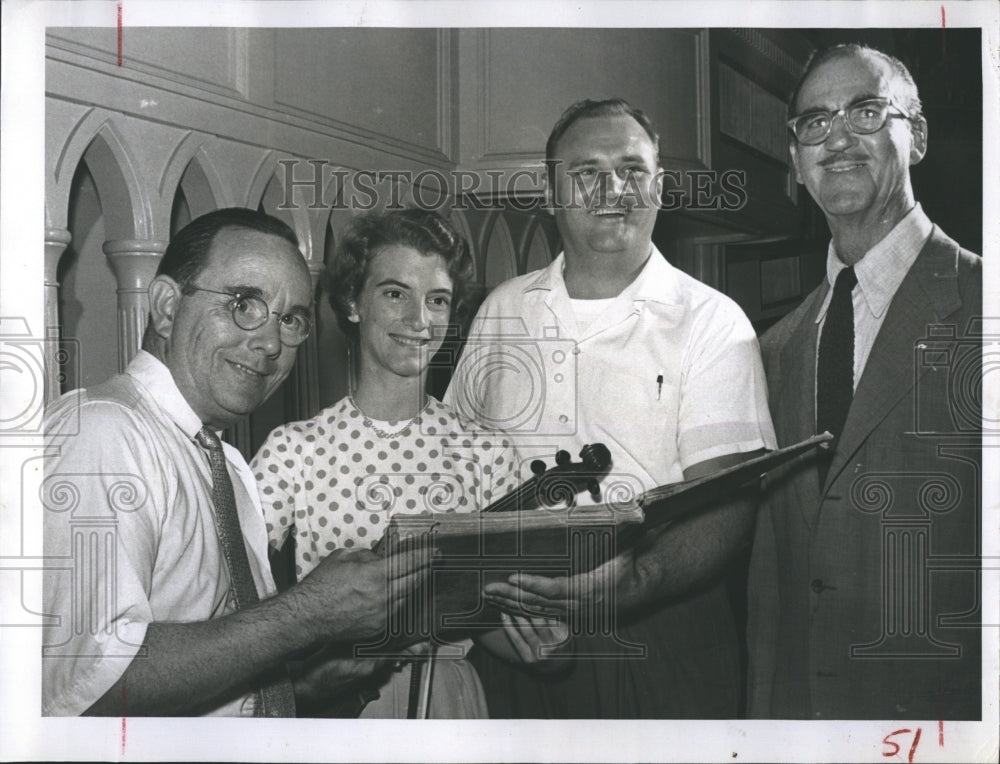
<point x="835" y="367"/>
<point x="275" y="698"/>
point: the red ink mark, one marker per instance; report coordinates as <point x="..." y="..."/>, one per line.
<point x="941" y="733"/>
<point x="913" y="748"/>
<point x="123" y="720"/>
<point x="895" y="745"/>
<point x="120" y="34"/>
<point x="942" y="17"/>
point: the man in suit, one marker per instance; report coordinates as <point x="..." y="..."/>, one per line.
<point x="864" y="589"/>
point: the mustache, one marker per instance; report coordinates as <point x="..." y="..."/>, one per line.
<point x="839" y="158"/>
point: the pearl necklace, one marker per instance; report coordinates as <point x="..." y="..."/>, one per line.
<point x="380" y="432"/>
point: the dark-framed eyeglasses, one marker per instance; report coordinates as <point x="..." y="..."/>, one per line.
<point x="250" y="312"/>
<point x="862" y="118"/>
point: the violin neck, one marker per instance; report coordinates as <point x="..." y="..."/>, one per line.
<point x="516" y="498"/>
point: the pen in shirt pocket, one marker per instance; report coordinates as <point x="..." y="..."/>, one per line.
<point x="659" y="385"/>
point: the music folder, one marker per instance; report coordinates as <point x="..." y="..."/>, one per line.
<point x="469" y="550"/>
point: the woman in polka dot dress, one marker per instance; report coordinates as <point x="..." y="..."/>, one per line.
<point x="390" y="448"/>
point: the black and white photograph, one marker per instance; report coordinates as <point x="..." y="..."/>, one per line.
<point x="502" y="381"/>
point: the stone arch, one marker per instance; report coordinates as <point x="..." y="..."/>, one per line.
<point x="191" y="179"/>
<point x="500" y="255"/>
<point x="125" y="203"/>
<point x="459" y="220"/>
<point x="535" y="250"/>
<point x="267" y="192"/>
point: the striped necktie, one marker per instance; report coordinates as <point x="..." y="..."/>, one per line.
<point x="275" y="698"/>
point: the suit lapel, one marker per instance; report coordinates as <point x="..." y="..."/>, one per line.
<point x="795" y="420"/>
<point x="928" y="294"/>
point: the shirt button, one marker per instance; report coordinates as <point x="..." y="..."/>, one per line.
<point x="817" y="585"/>
<point x="563" y="418"/>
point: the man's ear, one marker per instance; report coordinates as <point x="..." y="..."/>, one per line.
<point x="793" y="152"/>
<point x="164" y="297"/>
<point x="918" y="147"/>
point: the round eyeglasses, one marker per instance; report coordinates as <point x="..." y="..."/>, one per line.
<point x="250" y="312"/>
<point x="861" y="118"/>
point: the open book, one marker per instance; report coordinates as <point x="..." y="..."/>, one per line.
<point x="470" y="550"/>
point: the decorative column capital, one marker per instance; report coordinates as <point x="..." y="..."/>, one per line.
<point x="56" y="241"/>
<point x="134" y="263"/>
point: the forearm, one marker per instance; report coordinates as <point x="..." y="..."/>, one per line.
<point x="189" y="668"/>
<point x="676" y="559"/>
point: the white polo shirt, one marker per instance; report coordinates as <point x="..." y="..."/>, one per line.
<point x="666" y="376"/>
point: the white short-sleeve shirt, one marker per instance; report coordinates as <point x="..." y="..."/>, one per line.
<point x="128" y="507"/>
<point x="667" y="376"/>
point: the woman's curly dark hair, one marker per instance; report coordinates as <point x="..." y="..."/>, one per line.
<point x="425" y="231"/>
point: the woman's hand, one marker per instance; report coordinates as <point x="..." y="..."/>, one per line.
<point x="536" y="641"/>
<point x="535" y="638"/>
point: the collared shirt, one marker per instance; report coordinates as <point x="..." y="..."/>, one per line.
<point x="128" y="506"/>
<point x="337" y="482"/>
<point x="879" y="272"/>
<point x="667" y="376"/>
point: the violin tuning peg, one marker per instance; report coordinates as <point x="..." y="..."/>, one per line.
<point x="562" y="458"/>
<point x="538" y="467"/>
<point x="596" y="457"/>
<point x="595" y="489"/>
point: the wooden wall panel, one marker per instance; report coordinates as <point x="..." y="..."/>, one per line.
<point x="397" y="88"/>
<point x="214" y="59"/>
<point x="516" y="83"/>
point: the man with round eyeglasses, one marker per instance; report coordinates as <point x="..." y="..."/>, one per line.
<point x="250" y="312"/>
<point x="176" y="613"/>
<point x="858" y="608"/>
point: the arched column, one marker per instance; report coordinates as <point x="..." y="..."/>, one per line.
<point x="306" y="371"/>
<point x="56" y="241"/>
<point x="134" y="264"/>
<point x="308" y="383"/>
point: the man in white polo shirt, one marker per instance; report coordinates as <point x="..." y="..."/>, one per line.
<point x="612" y="344"/>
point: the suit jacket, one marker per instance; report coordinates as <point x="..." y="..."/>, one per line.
<point x="864" y="592"/>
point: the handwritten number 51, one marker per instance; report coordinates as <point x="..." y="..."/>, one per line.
<point x="893" y="747"/>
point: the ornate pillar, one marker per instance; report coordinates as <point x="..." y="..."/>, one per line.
<point x="56" y="241"/>
<point x="306" y="371"/>
<point x="134" y="263"/>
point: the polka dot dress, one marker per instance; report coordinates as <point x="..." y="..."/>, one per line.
<point x="337" y="482"/>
